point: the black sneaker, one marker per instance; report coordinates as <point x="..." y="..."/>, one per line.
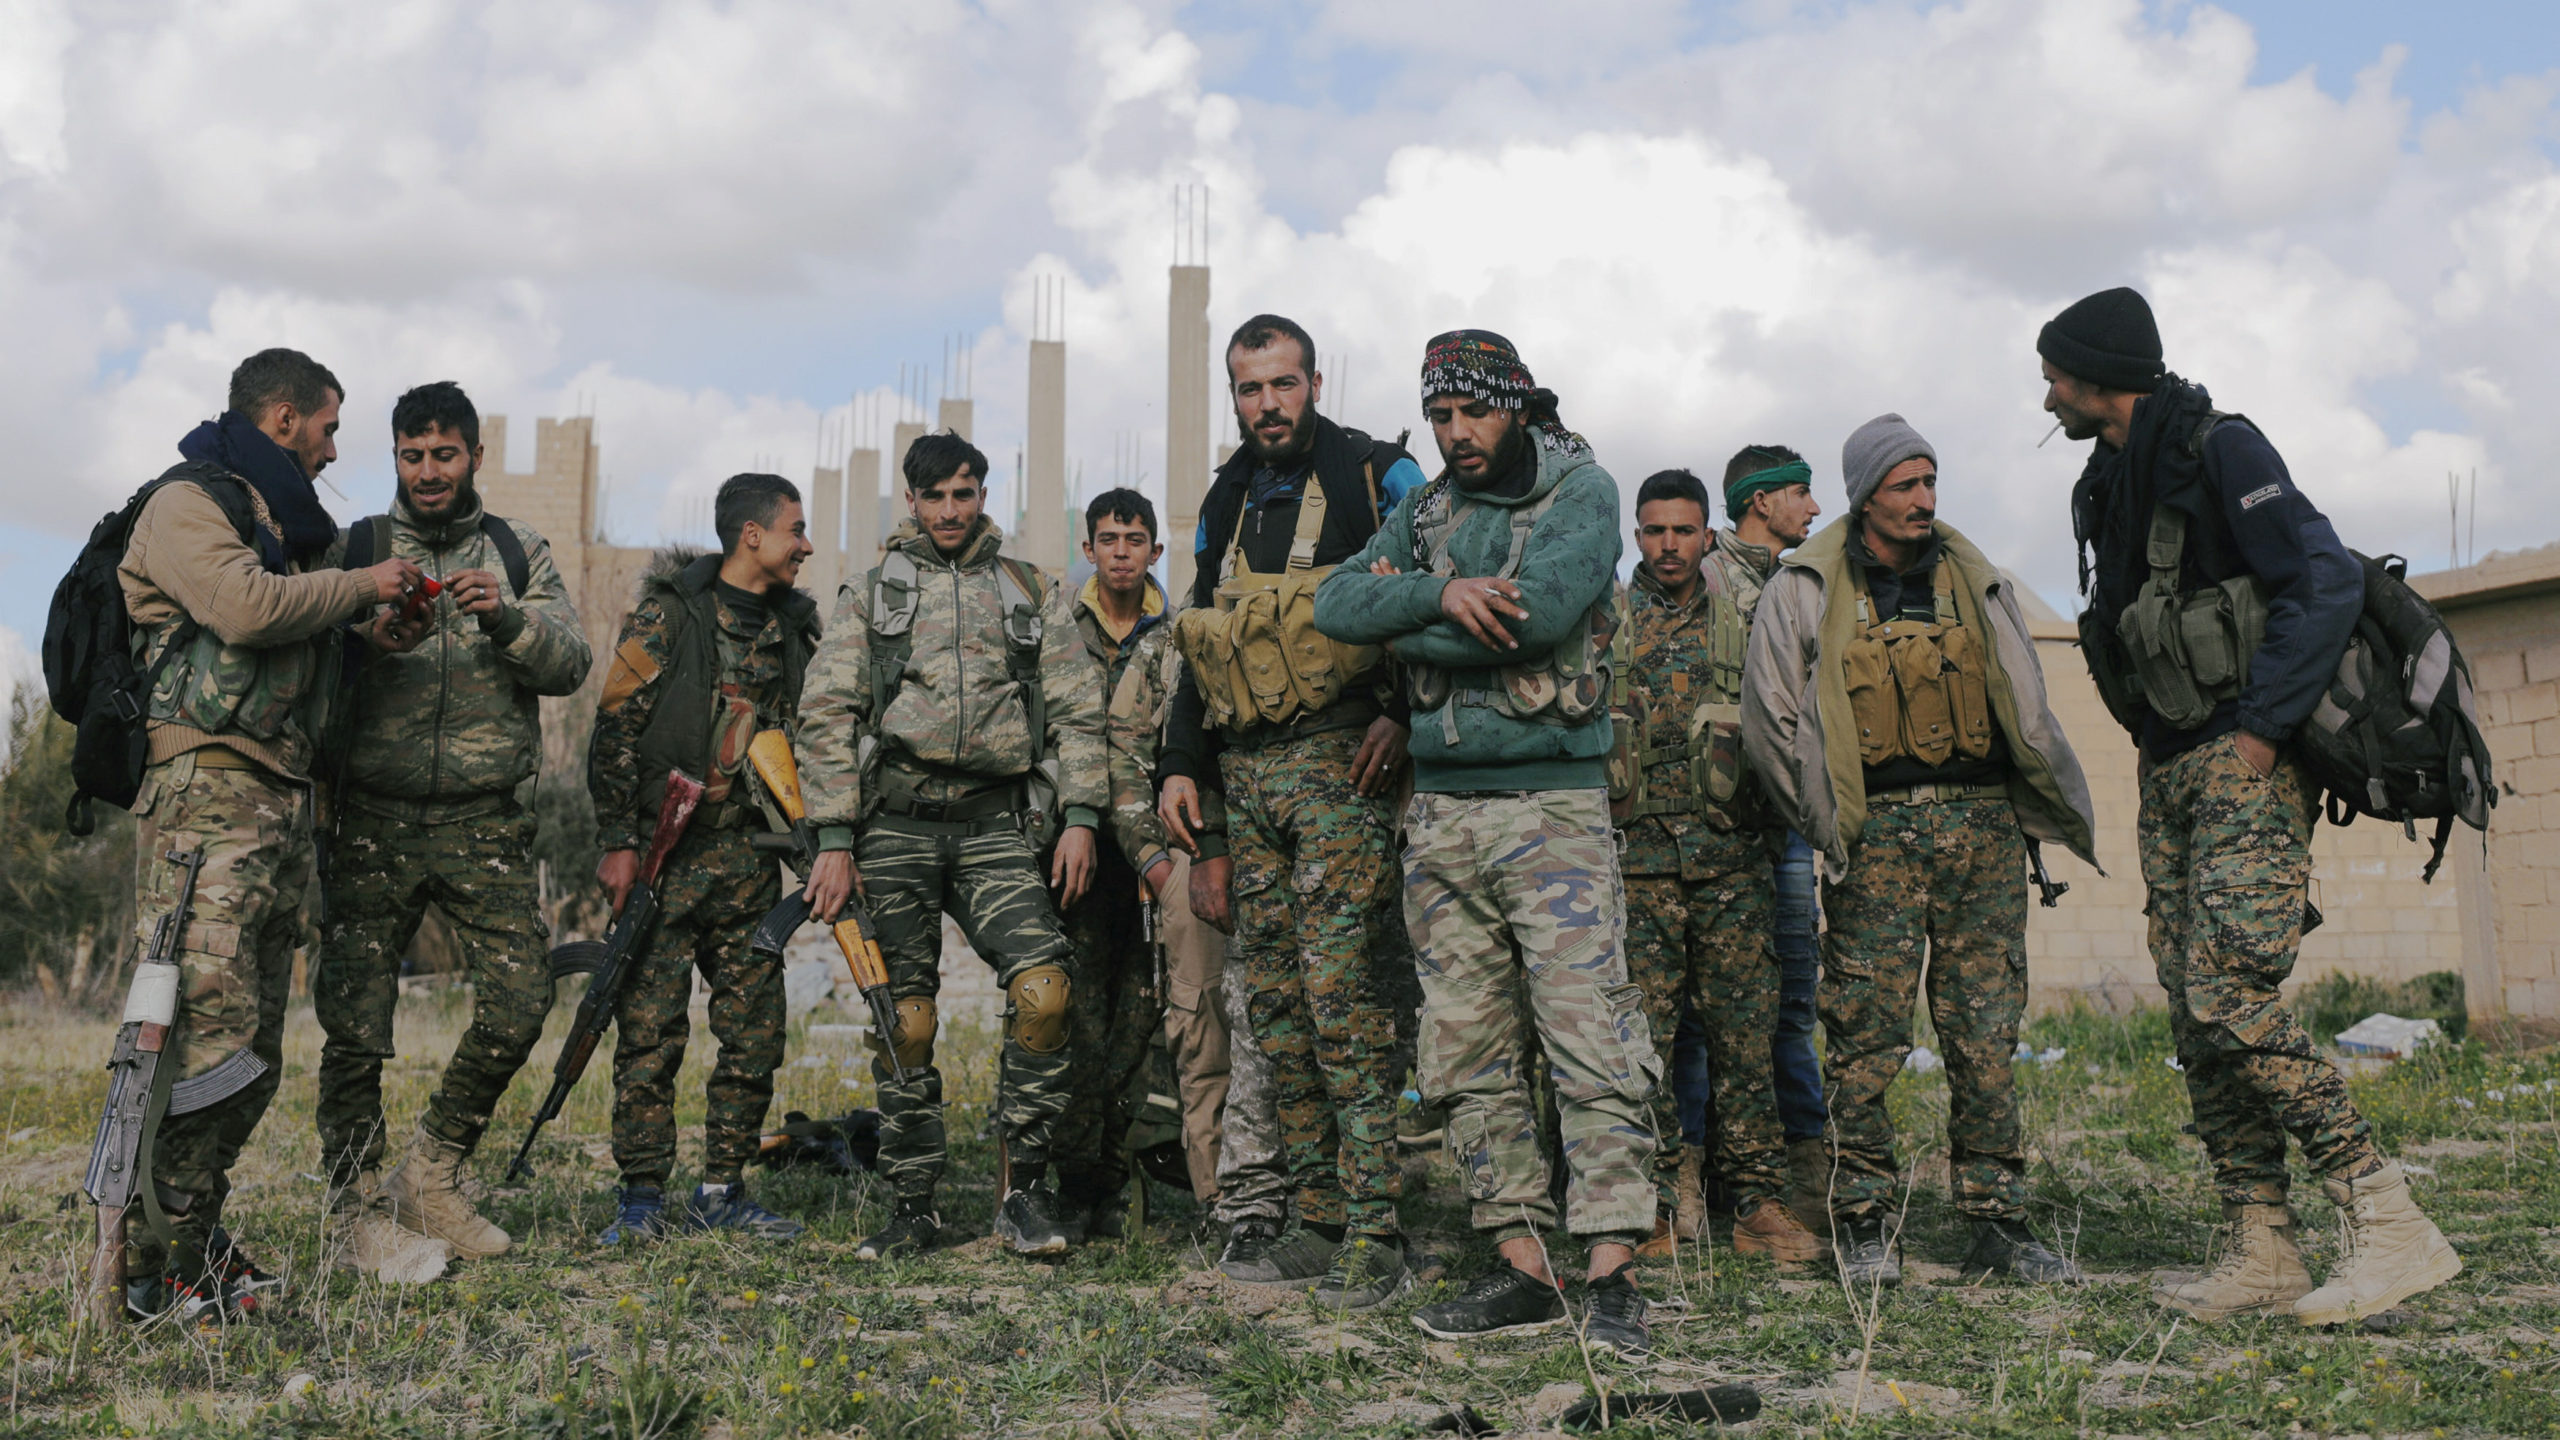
<point x="1027" y="1222"/>
<point x="1502" y="1302"/>
<point x="913" y="1228"/>
<point x="1366" y="1270"/>
<point x="1613" y="1317"/>
<point x="1295" y="1261"/>
<point x="1248" y="1241"/>
<point x="2008" y="1247"/>
<point x="224" y="1255"/>
<point x="211" y="1300"/>
<point x="726" y="1207"/>
<point x="1866" y="1256"/>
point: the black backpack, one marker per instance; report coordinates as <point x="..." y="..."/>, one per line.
<point x="89" y="670"/>
<point x="2397" y="733"/>
<point x="502" y="538"/>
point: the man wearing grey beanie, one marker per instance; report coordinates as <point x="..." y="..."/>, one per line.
<point x="1895" y="713"/>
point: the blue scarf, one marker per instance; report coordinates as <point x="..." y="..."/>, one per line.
<point x="243" y="449"/>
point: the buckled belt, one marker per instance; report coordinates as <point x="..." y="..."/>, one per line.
<point x="995" y="802"/>
<point x="1937" y="794"/>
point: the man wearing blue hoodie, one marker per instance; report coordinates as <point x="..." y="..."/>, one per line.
<point x="1492" y="585"/>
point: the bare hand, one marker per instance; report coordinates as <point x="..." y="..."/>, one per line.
<point x="1157" y="875"/>
<point x="1481" y="606"/>
<point x="617" y="872"/>
<point x="1071" y="866"/>
<point x="476" y="593"/>
<point x="2259" y="751"/>
<point x="1209" y="902"/>
<point x="392" y="634"/>
<point x="1178" y="806"/>
<point x="832" y="881"/>
<point x="1383" y="566"/>
<point x="395" y="580"/>
<point x="1382" y="753"/>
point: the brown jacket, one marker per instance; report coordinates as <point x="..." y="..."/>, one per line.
<point x="185" y="559"/>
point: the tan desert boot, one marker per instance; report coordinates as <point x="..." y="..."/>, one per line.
<point x="369" y="1242"/>
<point x="1809" y="1183"/>
<point x="1689" y="1221"/>
<point x="1770" y="1228"/>
<point x="2261" y="1270"/>
<point x="2393" y="1251"/>
<point x="425" y="1194"/>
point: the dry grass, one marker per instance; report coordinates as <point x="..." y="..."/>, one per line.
<point x="723" y="1337"/>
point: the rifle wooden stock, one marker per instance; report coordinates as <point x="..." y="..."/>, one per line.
<point x="865" y="967"/>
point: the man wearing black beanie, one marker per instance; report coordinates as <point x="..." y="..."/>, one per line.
<point x="2220" y="603"/>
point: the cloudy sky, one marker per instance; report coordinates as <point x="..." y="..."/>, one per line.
<point x="711" y="225"/>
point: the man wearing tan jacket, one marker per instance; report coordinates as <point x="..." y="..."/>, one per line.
<point x="239" y="624"/>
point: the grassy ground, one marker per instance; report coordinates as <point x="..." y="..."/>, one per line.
<point x="721" y="1337"/>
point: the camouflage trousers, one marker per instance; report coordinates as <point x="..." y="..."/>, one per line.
<point x="992" y="885"/>
<point x="1945" y="883"/>
<point x="1517" y="921"/>
<point x="384" y="872"/>
<point x="1314" y="881"/>
<point x="1704" y="942"/>
<point x="1115" y="1008"/>
<point x="235" y="963"/>
<point x="2226" y="859"/>
<point x="713" y="891"/>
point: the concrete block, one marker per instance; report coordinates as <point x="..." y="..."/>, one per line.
<point x="2529" y="703"/>
<point x="2542" y="663"/>
<point x="2496" y="670"/>
<point x="2537" y="776"/>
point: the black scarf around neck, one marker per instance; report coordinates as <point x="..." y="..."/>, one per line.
<point x="240" y="447"/>
<point x="2112" y="502"/>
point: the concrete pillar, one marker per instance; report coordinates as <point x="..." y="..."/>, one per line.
<point x="863" y="529"/>
<point x="1188" y="410"/>
<point x="894" y="485"/>
<point x="959" y="417"/>
<point x="824" y="569"/>
<point x="1044" y="466"/>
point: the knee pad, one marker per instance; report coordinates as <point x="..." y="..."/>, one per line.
<point x="918" y="1019"/>
<point x="1039" y="1005"/>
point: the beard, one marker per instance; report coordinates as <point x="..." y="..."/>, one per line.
<point x="1506" y="452"/>
<point x="1300" y="438"/>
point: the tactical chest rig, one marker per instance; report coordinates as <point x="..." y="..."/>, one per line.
<point x="1257" y="655"/>
<point x="1700" y="774"/>
<point x="1561" y="690"/>
<point x="892" y="620"/>
<point x="1918" y="688"/>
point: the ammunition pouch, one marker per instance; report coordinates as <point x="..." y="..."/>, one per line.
<point x="1036" y="1009"/>
<point x="2190" y="650"/>
<point x="1703" y="772"/>
<point x="1256" y="654"/>
<point x="1918" y="688"/>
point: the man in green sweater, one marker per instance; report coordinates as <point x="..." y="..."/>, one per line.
<point x="1492" y="585"/>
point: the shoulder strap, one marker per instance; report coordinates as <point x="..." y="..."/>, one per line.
<point x="1942" y="586"/>
<point x="1021" y="585"/>
<point x="510" y="548"/>
<point x="1310" y="528"/>
<point x="2166" y="550"/>
<point x="1524" y="518"/>
<point x="360" y="542"/>
<point x="891" y="616"/>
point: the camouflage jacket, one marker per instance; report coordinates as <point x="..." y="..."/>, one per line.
<point x="1134" y="827"/>
<point x="1672" y="674"/>
<point x="959" y="720"/>
<point x="754" y="693"/>
<point x="458" y="718"/>
<point x="1743" y="568"/>
<point x="1140" y="704"/>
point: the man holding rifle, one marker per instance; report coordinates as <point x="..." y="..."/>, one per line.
<point x="713" y="654"/>
<point x="950" y="709"/>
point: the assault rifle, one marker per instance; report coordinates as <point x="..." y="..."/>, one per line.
<point x="864" y="967"/>
<point x="611" y="961"/>
<point x="2051" y="893"/>
<point x="140" y="1093"/>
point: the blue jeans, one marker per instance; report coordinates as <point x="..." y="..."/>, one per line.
<point x="1798" y="1071"/>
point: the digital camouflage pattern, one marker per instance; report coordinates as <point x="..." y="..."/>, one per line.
<point x="713" y="892"/>
<point x="998" y="895"/>
<point x="1253" y="1158"/>
<point x="478" y="869"/>
<point x="2226" y="858"/>
<point x="1706" y="941"/>
<point x="459" y="716"/>
<point x="1516" y="918"/>
<point x="959" y="721"/>
<point x="1945" y="882"/>
<point x="1141" y="695"/>
<point x="235" y="963"/>
<point x="1314" y="878"/>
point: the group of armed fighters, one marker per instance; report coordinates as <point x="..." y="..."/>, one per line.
<point x="1464" y="805"/>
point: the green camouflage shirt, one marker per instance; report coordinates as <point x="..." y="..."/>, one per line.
<point x="1672" y="675"/>
<point x="458" y="718"/>
<point x="959" y="720"/>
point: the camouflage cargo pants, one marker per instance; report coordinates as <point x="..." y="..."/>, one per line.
<point x="1517" y="922"/>
<point x="2226" y="859"/>
<point x="384" y="872"/>
<point x="235" y="962"/>
<point x="1943" y="882"/>
<point x="991" y="884"/>
<point x="1705" y="941"/>
<point x="1115" y="1009"/>
<point x="1314" y="878"/>
<point x="712" y="893"/>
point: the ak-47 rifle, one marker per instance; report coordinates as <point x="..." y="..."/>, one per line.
<point x="2050" y="892"/>
<point x="864" y="966"/>
<point x="141" y="1093"/>
<point x="1154" y="937"/>
<point x="611" y="961"/>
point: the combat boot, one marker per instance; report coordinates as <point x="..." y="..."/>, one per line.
<point x="2008" y="1247"/>
<point x="1770" y="1228"/>
<point x="425" y="1194"/>
<point x="1809" y="1183"/>
<point x="2261" y="1270"/>
<point x="913" y="1229"/>
<point x="1689" y="1213"/>
<point x="370" y="1242"/>
<point x="1867" y="1255"/>
<point x="2393" y="1251"/>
